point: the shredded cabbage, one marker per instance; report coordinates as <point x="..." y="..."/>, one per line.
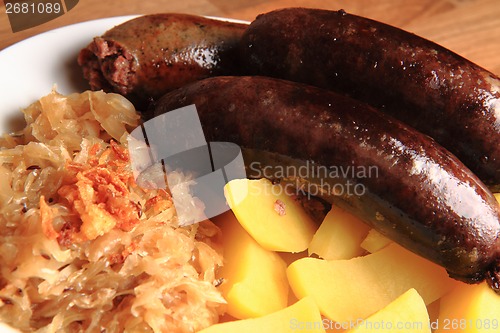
<point x="83" y="248"/>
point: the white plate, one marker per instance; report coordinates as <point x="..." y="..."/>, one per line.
<point x="31" y="67"/>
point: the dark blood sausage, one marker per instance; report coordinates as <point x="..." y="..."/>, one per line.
<point x="150" y="55"/>
<point x="422" y="196"/>
<point x="415" y="80"/>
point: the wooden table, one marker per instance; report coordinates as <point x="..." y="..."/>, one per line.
<point x="469" y="27"/>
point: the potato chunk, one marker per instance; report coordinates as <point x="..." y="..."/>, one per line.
<point x="375" y="241"/>
<point x="301" y="316"/>
<point x="254" y="279"/>
<point x="351" y="289"/>
<point x="272" y="217"/>
<point x="339" y="236"/>
<point x="469" y="308"/>
<point x="406" y="314"/>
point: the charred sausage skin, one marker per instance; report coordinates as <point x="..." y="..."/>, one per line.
<point x="147" y="56"/>
<point x="415" y="80"/>
<point x="422" y="197"/>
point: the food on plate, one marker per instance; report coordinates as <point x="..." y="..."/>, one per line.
<point x="392" y="290"/>
<point x="288" y="320"/>
<point x="339" y="236"/>
<point x="346" y="290"/>
<point x="253" y="279"/>
<point x="374" y="241"/>
<point x="419" y="194"/>
<point x="409" y="309"/>
<point x="415" y="80"/>
<point x="274" y="218"/>
<point x="470" y="309"/>
<point x="147" y="56"/>
<point x="83" y="247"/>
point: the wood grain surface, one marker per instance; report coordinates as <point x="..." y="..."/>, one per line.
<point x="468" y="27"/>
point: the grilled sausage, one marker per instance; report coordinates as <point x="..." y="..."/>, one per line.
<point x="147" y="56"/>
<point x="421" y="196"/>
<point x="415" y="80"/>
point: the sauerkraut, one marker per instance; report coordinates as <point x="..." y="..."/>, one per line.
<point x="83" y="248"/>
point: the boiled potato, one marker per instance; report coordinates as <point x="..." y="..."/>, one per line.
<point x="302" y="316"/>
<point x="351" y="289"/>
<point x="389" y="286"/>
<point x="406" y="314"/>
<point x="254" y="279"/>
<point x="339" y="236"/>
<point x="433" y="310"/>
<point x="272" y="217"/>
<point x="469" y="308"/>
<point x="374" y="241"/>
<point x="289" y="258"/>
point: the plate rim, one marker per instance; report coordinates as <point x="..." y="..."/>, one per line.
<point x="32" y="67"/>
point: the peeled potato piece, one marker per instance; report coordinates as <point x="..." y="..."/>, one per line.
<point x="406" y="314"/>
<point x="302" y="316"/>
<point x="347" y="290"/>
<point x="254" y="279"/>
<point x="339" y="236"/>
<point x="270" y="215"/>
<point x="374" y="241"/>
<point x="470" y="309"/>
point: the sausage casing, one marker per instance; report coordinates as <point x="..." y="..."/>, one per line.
<point x="147" y="56"/>
<point x="415" y="80"/>
<point x="422" y="196"/>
